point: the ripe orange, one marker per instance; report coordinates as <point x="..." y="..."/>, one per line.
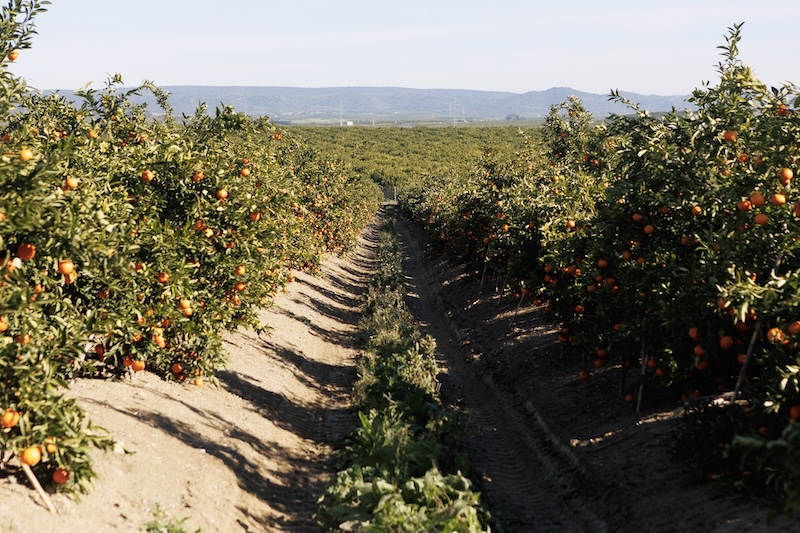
<point x="744" y="205"/>
<point x="794" y="327"/>
<point x="26" y="251"/>
<point x="138" y="365"/>
<point x="761" y="219"/>
<point x="778" y="199"/>
<point x="176" y="368"/>
<point x="222" y="195"/>
<point x="730" y="135"/>
<point x="699" y="351"/>
<point x="163" y="277"/>
<point x="579" y="309"/>
<point x="3" y="323"/>
<point x="66" y="267"/>
<point x="794" y="412"/>
<point x="697" y="210"/>
<point x="244" y="172"/>
<point x="602" y="353"/>
<point x="786" y="176"/>
<point x="757" y="199"/>
<point x="60" y="476"/>
<point x="583" y="375"/>
<point x="127" y="362"/>
<point x="198" y="381"/>
<point x="148" y="176"/>
<point x="25" y="155"/>
<point x="571" y="223"/>
<point x="783" y="110"/>
<point x="776" y="336"/>
<point x="255" y="216"/>
<point x="240" y="286"/>
<point x="649" y="229"/>
<point x="726" y="342"/>
<point x="637" y="217"/>
<point x="184" y="304"/>
<point x="197" y="176"/>
<point x="10" y="418"/>
<point x="240" y="270"/>
<point x="31" y="456"/>
<point x="13" y="55"/>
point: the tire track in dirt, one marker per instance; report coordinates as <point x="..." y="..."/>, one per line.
<point x="532" y="481"/>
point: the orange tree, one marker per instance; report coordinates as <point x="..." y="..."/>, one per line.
<point x="670" y="242"/>
<point x="131" y="243"/>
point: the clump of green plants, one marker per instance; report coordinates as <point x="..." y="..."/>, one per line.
<point x="403" y="468"/>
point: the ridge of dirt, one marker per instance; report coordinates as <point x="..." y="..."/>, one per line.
<point x="250" y="455"/>
<point x="556" y="453"/>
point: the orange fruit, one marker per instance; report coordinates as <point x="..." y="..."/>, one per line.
<point x="637" y="217"/>
<point x="148" y="176"/>
<point x="783" y="110"/>
<point x="31" y="456"/>
<point x="776" y="336"/>
<point x="757" y="199"/>
<point x="138" y="365"/>
<point x="222" y="194"/>
<point x="60" y="476"/>
<point x="163" y="277"/>
<point x="730" y="135"/>
<point x="127" y="362"/>
<point x="176" y="368"/>
<point x="761" y="219"/>
<point x="571" y="223"/>
<point x="699" y="351"/>
<point x="744" y="205"/>
<point x="255" y="216"/>
<point x="9" y="419"/>
<point x="71" y="183"/>
<point x="583" y="375"/>
<point x="26" y="251"/>
<point x="66" y="267"/>
<point x="579" y="309"/>
<point x="778" y="199"/>
<point x="794" y="327"/>
<point x="649" y="229"/>
<point x="13" y="55"/>
<point x="794" y="412"/>
<point x="240" y="270"/>
<point x="244" y="172"/>
<point x="197" y="176"/>
<point x="26" y="154"/>
<point x="198" y="381"/>
<point x="725" y="342"/>
<point x="785" y="176"/>
<point x="240" y="286"/>
<point x="697" y="210"/>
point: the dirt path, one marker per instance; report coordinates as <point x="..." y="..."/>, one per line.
<point x="250" y="455"/>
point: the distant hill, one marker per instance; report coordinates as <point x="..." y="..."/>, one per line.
<point x="395" y="104"/>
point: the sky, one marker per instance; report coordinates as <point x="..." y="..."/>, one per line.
<point x="666" y="47"/>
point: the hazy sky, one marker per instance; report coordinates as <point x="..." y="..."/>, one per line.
<point x="643" y="46"/>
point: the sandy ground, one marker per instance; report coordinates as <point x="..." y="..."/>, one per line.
<point x="551" y="453"/>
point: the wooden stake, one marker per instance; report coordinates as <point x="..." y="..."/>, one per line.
<point x="38" y="486"/>
<point x="743" y="371"/>
<point x="483" y="279"/>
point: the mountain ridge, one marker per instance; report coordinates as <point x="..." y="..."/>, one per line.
<point x="361" y="104"/>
